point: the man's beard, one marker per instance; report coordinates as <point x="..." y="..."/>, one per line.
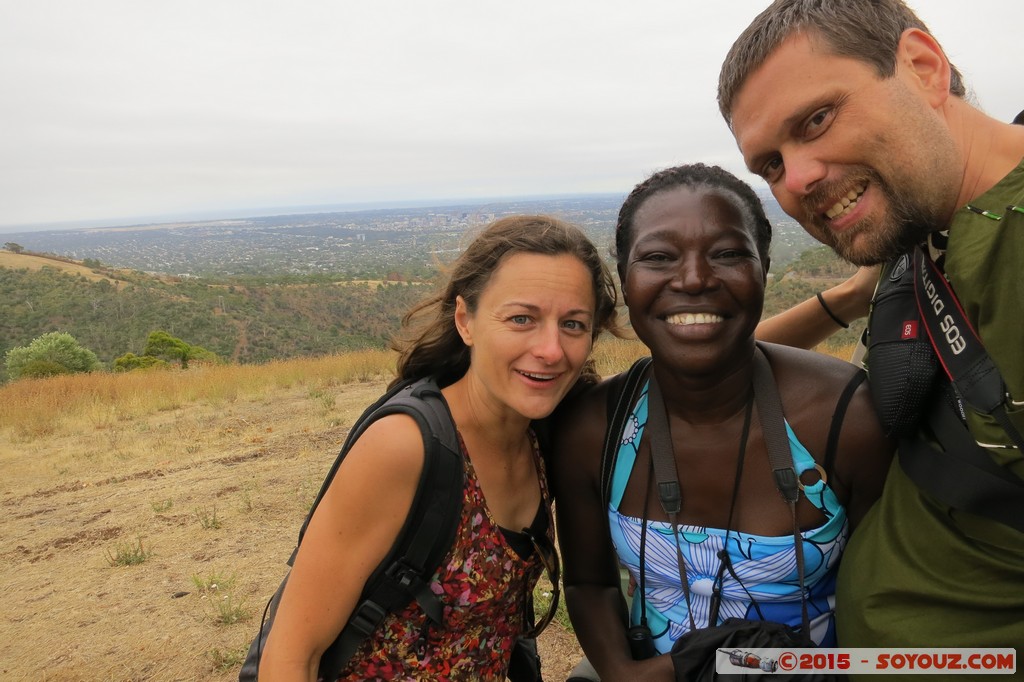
<point x="906" y="222"/>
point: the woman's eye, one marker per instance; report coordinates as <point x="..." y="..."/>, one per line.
<point x="734" y="253"/>
<point x="576" y="325"/>
<point x="520" y="319"/>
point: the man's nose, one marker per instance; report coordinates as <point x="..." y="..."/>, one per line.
<point x="802" y="171"/>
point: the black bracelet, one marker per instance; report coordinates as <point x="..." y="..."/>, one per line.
<point x="821" y="300"/>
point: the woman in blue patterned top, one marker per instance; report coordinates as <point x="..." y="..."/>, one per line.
<point x="692" y="247"/>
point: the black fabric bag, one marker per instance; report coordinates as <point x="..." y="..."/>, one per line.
<point x="694" y="654"/>
<point x="425" y="538"/>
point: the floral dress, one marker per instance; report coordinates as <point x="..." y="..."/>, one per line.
<point x="482" y="584"/>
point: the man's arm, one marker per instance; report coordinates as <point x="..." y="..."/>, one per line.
<point x="807" y="324"/>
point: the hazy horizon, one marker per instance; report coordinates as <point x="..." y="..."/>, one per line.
<point x="271" y="211"/>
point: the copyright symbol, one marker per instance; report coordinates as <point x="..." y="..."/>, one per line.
<point x="787" y="660"/>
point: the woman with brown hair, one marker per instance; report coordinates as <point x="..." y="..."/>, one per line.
<point x="506" y="339"/>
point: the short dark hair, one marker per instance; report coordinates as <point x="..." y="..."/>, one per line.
<point x="430" y="345"/>
<point x="1019" y="119"/>
<point x="867" y="30"/>
<point x="691" y="175"/>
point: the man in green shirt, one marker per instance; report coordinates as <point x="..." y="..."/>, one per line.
<point x="852" y="113"/>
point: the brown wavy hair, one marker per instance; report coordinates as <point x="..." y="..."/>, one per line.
<point x="429" y="344"/>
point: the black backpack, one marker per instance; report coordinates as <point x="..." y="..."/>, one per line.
<point x="424" y="540"/>
<point x="426" y="537"/>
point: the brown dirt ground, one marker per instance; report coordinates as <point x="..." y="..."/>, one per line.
<point x="71" y="501"/>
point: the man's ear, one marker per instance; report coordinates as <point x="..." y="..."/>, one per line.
<point x="766" y="265"/>
<point x="920" y="59"/>
<point x="462" y="320"/>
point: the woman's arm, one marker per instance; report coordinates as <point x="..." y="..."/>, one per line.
<point x="591" y="576"/>
<point x="351" y="531"/>
<point x="807" y="324"/>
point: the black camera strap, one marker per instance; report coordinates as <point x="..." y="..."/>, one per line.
<point x="963" y="356"/>
<point x="780" y="456"/>
<point x="961" y="473"/>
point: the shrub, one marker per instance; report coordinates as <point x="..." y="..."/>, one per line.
<point x="36" y="369"/>
<point x="163" y="345"/>
<point x="54" y="348"/>
<point x="130" y="362"/>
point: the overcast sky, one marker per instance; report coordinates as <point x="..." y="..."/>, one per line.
<point x="116" y="110"/>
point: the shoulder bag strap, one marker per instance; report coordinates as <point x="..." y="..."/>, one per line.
<point x="838" y="416"/>
<point x="663" y="461"/>
<point x="773" y="426"/>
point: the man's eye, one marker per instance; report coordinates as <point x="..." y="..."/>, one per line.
<point x="772" y="170"/>
<point x="818" y="122"/>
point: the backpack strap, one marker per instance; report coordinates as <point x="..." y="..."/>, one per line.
<point x="838" y="416"/>
<point x="623" y="390"/>
<point x="961" y="473"/>
<point x="429" y="530"/>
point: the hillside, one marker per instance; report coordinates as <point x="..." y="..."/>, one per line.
<point x="25" y="261"/>
<point x="812" y="271"/>
<point x="111" y="312"/>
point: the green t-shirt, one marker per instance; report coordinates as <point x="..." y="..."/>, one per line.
<point x="917" y="573"/>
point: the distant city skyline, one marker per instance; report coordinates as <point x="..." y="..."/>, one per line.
<point x="132" y="111"/>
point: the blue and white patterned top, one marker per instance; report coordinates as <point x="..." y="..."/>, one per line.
<point x="766" y="566"/>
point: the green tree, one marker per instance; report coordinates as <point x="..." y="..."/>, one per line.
<point x="131" y="361"/>
<point x="13" y="247"/>
<point x="166" y="347"/>
<point x="48" y="354"/>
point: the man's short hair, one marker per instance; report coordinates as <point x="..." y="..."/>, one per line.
<point x="868" y="30"/>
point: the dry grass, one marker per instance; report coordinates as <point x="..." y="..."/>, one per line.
<point x="146" y="518"/>
<point x="68" y="403"/>
<point x="111" y="565"/>
<point x="19" y="261"/>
